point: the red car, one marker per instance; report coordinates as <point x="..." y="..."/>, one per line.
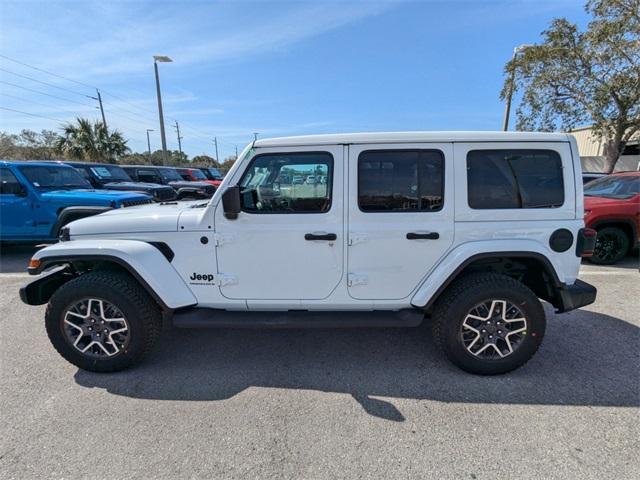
<point x="196" y="175"/>
<point x="612" y="208"/>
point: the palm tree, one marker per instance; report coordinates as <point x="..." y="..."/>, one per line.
<point x="91" y="142"/>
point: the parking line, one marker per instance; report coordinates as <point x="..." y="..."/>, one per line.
<point x="610" y="272"/>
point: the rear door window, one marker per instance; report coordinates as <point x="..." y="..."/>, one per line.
<point x="400" y="180"/>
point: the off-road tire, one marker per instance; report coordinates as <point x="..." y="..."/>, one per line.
<point x="617" y="250"/>
<point x="462" y="296"/>
<point x="141" y="312"/>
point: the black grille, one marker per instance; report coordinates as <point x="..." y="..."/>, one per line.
<point x="165" y="194"/>
<point x="132" y="203"/>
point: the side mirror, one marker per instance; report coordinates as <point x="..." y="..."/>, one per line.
<point x="231" y="202"/>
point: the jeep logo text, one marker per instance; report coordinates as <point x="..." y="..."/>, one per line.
<point x="205" y="277"/>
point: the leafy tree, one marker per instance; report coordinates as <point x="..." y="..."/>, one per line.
<point x="225" y="166"/>
<point x="584" y="77"/>
<point x="134" y="159"/>
<point x="91" y="142"/>
<point x="204" y="161"/>
<point x="28" y="145"/>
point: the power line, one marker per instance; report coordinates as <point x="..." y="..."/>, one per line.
<point x="77" y="82"/>
<point x="31" y="114"/>
<point x="43" y="93"/>
<point x="43" y="83"/>
<point x="45" y="71"/>
<point x="47" y="105"/>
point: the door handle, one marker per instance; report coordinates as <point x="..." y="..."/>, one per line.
<point x="423" y="236"/>
<point x="320" y="236"/>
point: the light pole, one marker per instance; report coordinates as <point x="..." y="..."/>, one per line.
<point x="161" y="59"/>
<point x="512" y="78"/>
<point x="149" y="142"/>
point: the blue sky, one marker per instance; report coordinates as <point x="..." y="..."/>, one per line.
<point x="277" y="68"/>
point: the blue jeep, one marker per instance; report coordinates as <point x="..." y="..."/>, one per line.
<point x="38" y="198"/>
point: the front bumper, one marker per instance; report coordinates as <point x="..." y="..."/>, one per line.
<point x="575" y="296"/>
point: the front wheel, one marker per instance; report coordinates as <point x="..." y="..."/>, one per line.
<point x="103" y="321"/>
<point x="488" y="323"/>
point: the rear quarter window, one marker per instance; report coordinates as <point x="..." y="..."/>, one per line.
<point x="514" y="178"/>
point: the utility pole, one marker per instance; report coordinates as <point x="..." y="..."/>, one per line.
<point x="177" y="127"/>
<point x="255" y="136"/>
<point x="149" y="142"/>
<point x="236" y="152"/>
<point x="512" y="79"/>
<point x="215" y="141"/>
<point x="156" y="59"/>
<point x="99" y="100"/>
<point x="104" y="120"/>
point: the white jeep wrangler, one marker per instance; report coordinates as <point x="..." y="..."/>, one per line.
<point x="469" y="229"/>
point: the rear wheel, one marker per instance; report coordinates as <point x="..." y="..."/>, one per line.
<point x="488" y="323"/>
<point x="103" y="321"/>
<point x="611" y="246"/>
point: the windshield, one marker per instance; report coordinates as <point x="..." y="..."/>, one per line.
<point x="198" y="174"/>
<point x="169" y="175"/>
<point x="214" y="173"/>
<point x="111" y="173"/>
<point x="613" y="187"/>
<point x="45" y="177"/>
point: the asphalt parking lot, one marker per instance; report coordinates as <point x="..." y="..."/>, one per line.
<point x="326" y="403"/>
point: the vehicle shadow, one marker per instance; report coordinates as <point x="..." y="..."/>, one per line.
<point x="630" y="262"/>
<point x="587" y="358"/>
<point x="15" y="258"/>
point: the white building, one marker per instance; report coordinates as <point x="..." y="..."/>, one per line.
<point x="591" y="152"/>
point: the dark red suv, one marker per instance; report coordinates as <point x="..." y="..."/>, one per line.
<point x="612" y="208"/>
<point x="196" y="175"/>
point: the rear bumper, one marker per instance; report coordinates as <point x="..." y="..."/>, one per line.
<point x="575" y="296"/>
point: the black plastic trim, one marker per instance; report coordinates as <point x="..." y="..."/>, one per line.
<point x="164" y="250"/>
<point x="217" y="318"/>
<point x="481" y="256"/>
<point x="39" y="291"/>
<point x="69" y="259"/>
<point x="577" y="295"/>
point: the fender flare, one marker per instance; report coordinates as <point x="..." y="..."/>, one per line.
<point x="69" y="214"/>
<point x="604" y="221"/>
<point x="458" y="259"/>
<point x="144" y="261"/>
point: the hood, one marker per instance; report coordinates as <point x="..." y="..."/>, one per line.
<point x="595" y="202"/>
<point x="156" y="217"/>
<point x="89" y="195"/>
<point x="135" y="185"/>
<point x="186" y="183"/>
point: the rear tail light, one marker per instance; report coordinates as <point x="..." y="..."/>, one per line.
<point x="586" y="242"/>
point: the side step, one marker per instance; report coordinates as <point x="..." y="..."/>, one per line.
<point x="215" y="318"/>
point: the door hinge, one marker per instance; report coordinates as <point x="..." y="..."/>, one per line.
<point x="222" y="238"/>
<point x="357" y="238"/>
<point x="222" y="279"/>
<point x="357" y="279"/>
